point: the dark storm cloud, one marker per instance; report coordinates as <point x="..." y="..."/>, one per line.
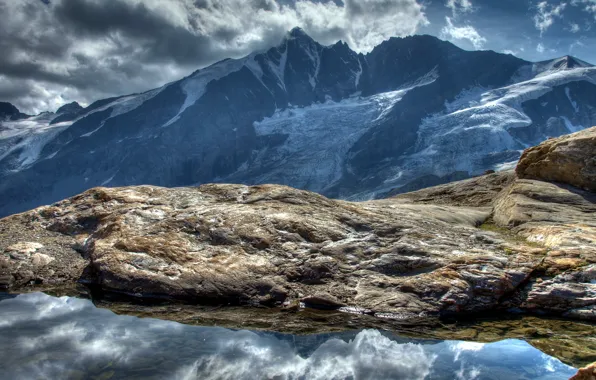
<point x="159" y="39"/>
<point x="58" y="51"/>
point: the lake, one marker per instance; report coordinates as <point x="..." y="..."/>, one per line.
<point x="47" y="337"/>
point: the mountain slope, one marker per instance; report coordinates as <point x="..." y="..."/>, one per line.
<point x="414" y="112"/>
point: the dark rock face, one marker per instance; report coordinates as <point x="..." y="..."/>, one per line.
<point x="73" y="107"/>
<point x="10" y="112"/>
<point x="68" y="112"/>
<point x="414" y="112"/>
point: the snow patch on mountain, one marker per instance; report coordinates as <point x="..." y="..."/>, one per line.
<point x="315" y="56"/>
<point x="279" y="68"/>
<point x="130" y="103"/>
<point x="498" y="109"/>
<point x="194" y="86"/>
<point x="317" y="139"/>
<point x="570" y="126"/>
<point x="475" y="126"/>
<point x="358" y="74"/>
<point x="27" y="138"/>
<point x="88" y="134"/>
<point x="573" y="103"/>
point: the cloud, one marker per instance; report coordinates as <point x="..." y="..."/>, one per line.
<point x="575" y="45"/>
<point x="459" y="6"/>
<point x="370" y="355"/>
<point x="467" y="32"/>
<point x="68" y="334"/>
<point x="540" y="48"/>
<point x="65" y="50"/>
<point x="546" y="15"/>
<point x="574" y="28"/>
<point x="588" y="5"/>
<point x="56" y="338"/>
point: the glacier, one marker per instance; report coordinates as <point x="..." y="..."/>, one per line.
<point x="414" y="112"/>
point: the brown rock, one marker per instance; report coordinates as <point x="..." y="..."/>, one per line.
<point x="416" y="255"/>
<point x="232" y="244"/>
<point x="568" y="159"/>
<point x="474" y="192"/>
<point x="322" y="300"/>
<point x="586" y="373"/>
<point x="556" y="216"/>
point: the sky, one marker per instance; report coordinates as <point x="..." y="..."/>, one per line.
<point x="58" y="51"/>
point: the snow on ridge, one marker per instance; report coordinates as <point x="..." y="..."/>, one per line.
<point x="279" y="69"/>
<point x="358" y="74"/>
<point x="195" y="85"/>
<point x="476" y="124"/>
<point x="569" y="125"/>
<point x="573" y="103"/>
<point x="315" y="57"/>
<point x="88" y="134"/>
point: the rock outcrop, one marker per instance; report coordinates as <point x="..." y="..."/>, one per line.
<point x="586" y="373"/>
<point x="10" y="112"/>
<point x="490" y="243"/>
<point x="569" y="159"/>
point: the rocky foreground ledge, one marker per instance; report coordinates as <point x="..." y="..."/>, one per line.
<point x="505" y="241"/>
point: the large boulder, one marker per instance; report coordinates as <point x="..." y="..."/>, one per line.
<point x="492" y="243"/>
<point x="233" y="244"/>
<point x="586" y="373"/>
<point x="568" y="159"/>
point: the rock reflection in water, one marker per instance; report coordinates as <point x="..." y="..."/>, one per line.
<point x="50" y="337"/>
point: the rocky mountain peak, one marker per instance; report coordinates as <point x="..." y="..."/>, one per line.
<point x="9" y="112"/>
<point x="69" y="108"/>
<point x="298" y="32"/>
<point x="570" y="62"/>
<point x="414" y="112"/>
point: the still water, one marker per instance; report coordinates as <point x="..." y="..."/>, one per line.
<point x="45" y="337"/>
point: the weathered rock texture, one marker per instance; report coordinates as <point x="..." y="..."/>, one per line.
<point x="569" y="159"/>
<point x="586" y="373"/>
<point x="400" y="258"/>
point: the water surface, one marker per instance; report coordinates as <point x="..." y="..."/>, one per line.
<point x="62" y="337"/>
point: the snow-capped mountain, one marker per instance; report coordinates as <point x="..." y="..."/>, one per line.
<point x="414" y="112"/>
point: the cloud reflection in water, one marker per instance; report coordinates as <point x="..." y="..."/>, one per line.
<point x="49" y="337"/>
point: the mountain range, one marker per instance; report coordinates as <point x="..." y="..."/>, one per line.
<point x="412" y="113"/>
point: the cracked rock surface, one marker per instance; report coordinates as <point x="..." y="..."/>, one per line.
<point x="416" y="255"/>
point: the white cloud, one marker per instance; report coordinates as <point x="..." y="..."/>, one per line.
<point x="540" y="48"/>
<point x="588" y="5"/>
<point x="88" y="49"/>
<point x="459" y="347"/>
<point x="57" y="338"/>
<point x="63" y="335"/>
<point x="370" y="355"/>
<point x="466" y="32"/>
<point x="576" y="44"/>
<point x="459" y="6"/>
<point x="574" y="28"/>
<point x="546" y="15"/>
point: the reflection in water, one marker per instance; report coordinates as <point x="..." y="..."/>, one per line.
<point x="49" y="337"/>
